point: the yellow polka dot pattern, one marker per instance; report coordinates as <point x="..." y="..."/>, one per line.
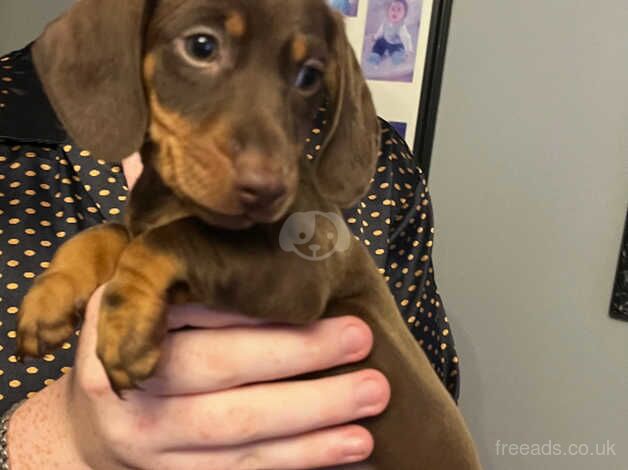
<point x="49" y="191"/>
<point x="6" y="79"/>
<point x="395" y="222"/>
<point x="48" y="206"/>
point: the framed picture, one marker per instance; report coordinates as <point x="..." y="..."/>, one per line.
<point x="346" y="7"/>
<point x="619" y="301"/>
<point x="401" y="45"/>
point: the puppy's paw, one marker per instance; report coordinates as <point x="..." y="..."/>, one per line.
<point x="49" y="314"/>
<point x="130" y="331"/>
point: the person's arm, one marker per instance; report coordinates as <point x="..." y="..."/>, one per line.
<point x="406" y="39"/>
<point x="396" y="223"/>
<point x="409" y="267"/>
<point x="40" y="434"/>
<point x="379" y="33"/>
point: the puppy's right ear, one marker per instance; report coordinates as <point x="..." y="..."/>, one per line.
<point x="90" y="63"/>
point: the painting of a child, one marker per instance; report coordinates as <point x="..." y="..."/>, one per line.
<point x="391" y="35"/>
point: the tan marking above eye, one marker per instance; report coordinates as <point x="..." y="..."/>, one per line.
<point x="149" y="67"/>
<point x="235" y="24"/>
<point x="299" y="48"/>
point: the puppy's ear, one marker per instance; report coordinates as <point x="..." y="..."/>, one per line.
<point x="348" y="155"/>
<point x="90" y="63"/>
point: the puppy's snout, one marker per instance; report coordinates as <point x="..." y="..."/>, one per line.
<point x="260" y="191"/>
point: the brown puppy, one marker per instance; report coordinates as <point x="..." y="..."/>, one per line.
<point x="220" y="94"/>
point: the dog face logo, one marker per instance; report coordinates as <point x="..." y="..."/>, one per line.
<point x="314" y="235"/>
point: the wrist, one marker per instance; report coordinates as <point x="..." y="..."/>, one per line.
<point x="40" y="434"/>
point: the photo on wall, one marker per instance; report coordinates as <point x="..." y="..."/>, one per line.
<point x="390" y="40"/>
<point x="346" y="7"/>
<point x="401" y="47"/>
<point x="400" y="127"/>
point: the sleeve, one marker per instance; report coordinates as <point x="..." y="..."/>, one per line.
<point x="380" y="32"/>
<point x="47" y="195"/>
<point x="406" y="39"/>
<point x="396" y="223"/>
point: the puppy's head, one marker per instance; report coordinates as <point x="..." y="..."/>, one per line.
<point x="226" y="89"/>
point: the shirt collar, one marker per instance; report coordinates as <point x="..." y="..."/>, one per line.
<point x="26" y="115"/>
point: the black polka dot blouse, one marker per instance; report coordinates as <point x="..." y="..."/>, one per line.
<point x="50" y="190"/>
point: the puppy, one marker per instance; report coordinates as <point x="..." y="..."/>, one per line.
<point x="219" y="95"/>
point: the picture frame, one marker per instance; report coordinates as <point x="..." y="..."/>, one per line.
<point x="401" y="46"/>
<point x="432" y="83"/>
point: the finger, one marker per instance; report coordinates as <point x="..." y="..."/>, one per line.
<point x="266" y="411"/>
<point x="88" y="373"/>
<point x="198" y="316"/>
<point x="132" y="166"/>
<point x="202" y="361"/>
<point x="343" y="445"/>
<point x="88" y="333"/>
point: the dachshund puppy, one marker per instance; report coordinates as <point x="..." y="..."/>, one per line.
<point x="220" y="95"/>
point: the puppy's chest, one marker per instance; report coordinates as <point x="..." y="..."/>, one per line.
<point x="284" y="272"/>
<point x="285" y="277"/>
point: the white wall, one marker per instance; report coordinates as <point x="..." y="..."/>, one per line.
<point x="21" y="21"/>
<point x="530" y="186"/>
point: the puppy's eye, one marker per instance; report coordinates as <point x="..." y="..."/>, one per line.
<point x="310" y="77"/>
<point x="202" y="47"/>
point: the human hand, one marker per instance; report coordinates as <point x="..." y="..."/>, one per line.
<point x="210" y="403"/>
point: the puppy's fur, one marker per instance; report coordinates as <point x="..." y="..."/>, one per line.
<point x="121" y="76"/>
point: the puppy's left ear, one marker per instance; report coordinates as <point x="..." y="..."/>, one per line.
<point x="348" y="155"/>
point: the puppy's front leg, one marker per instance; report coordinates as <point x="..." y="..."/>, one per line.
<point x="132" y="322"/>
<point x="52" y="308"/>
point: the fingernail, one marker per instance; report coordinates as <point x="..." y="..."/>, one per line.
<point x="355" y="449"/>
<point x="369" y="393"/>
<point x="352" y="339"/>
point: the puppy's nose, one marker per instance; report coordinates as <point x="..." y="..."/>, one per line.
<point x="259" y="191"/>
